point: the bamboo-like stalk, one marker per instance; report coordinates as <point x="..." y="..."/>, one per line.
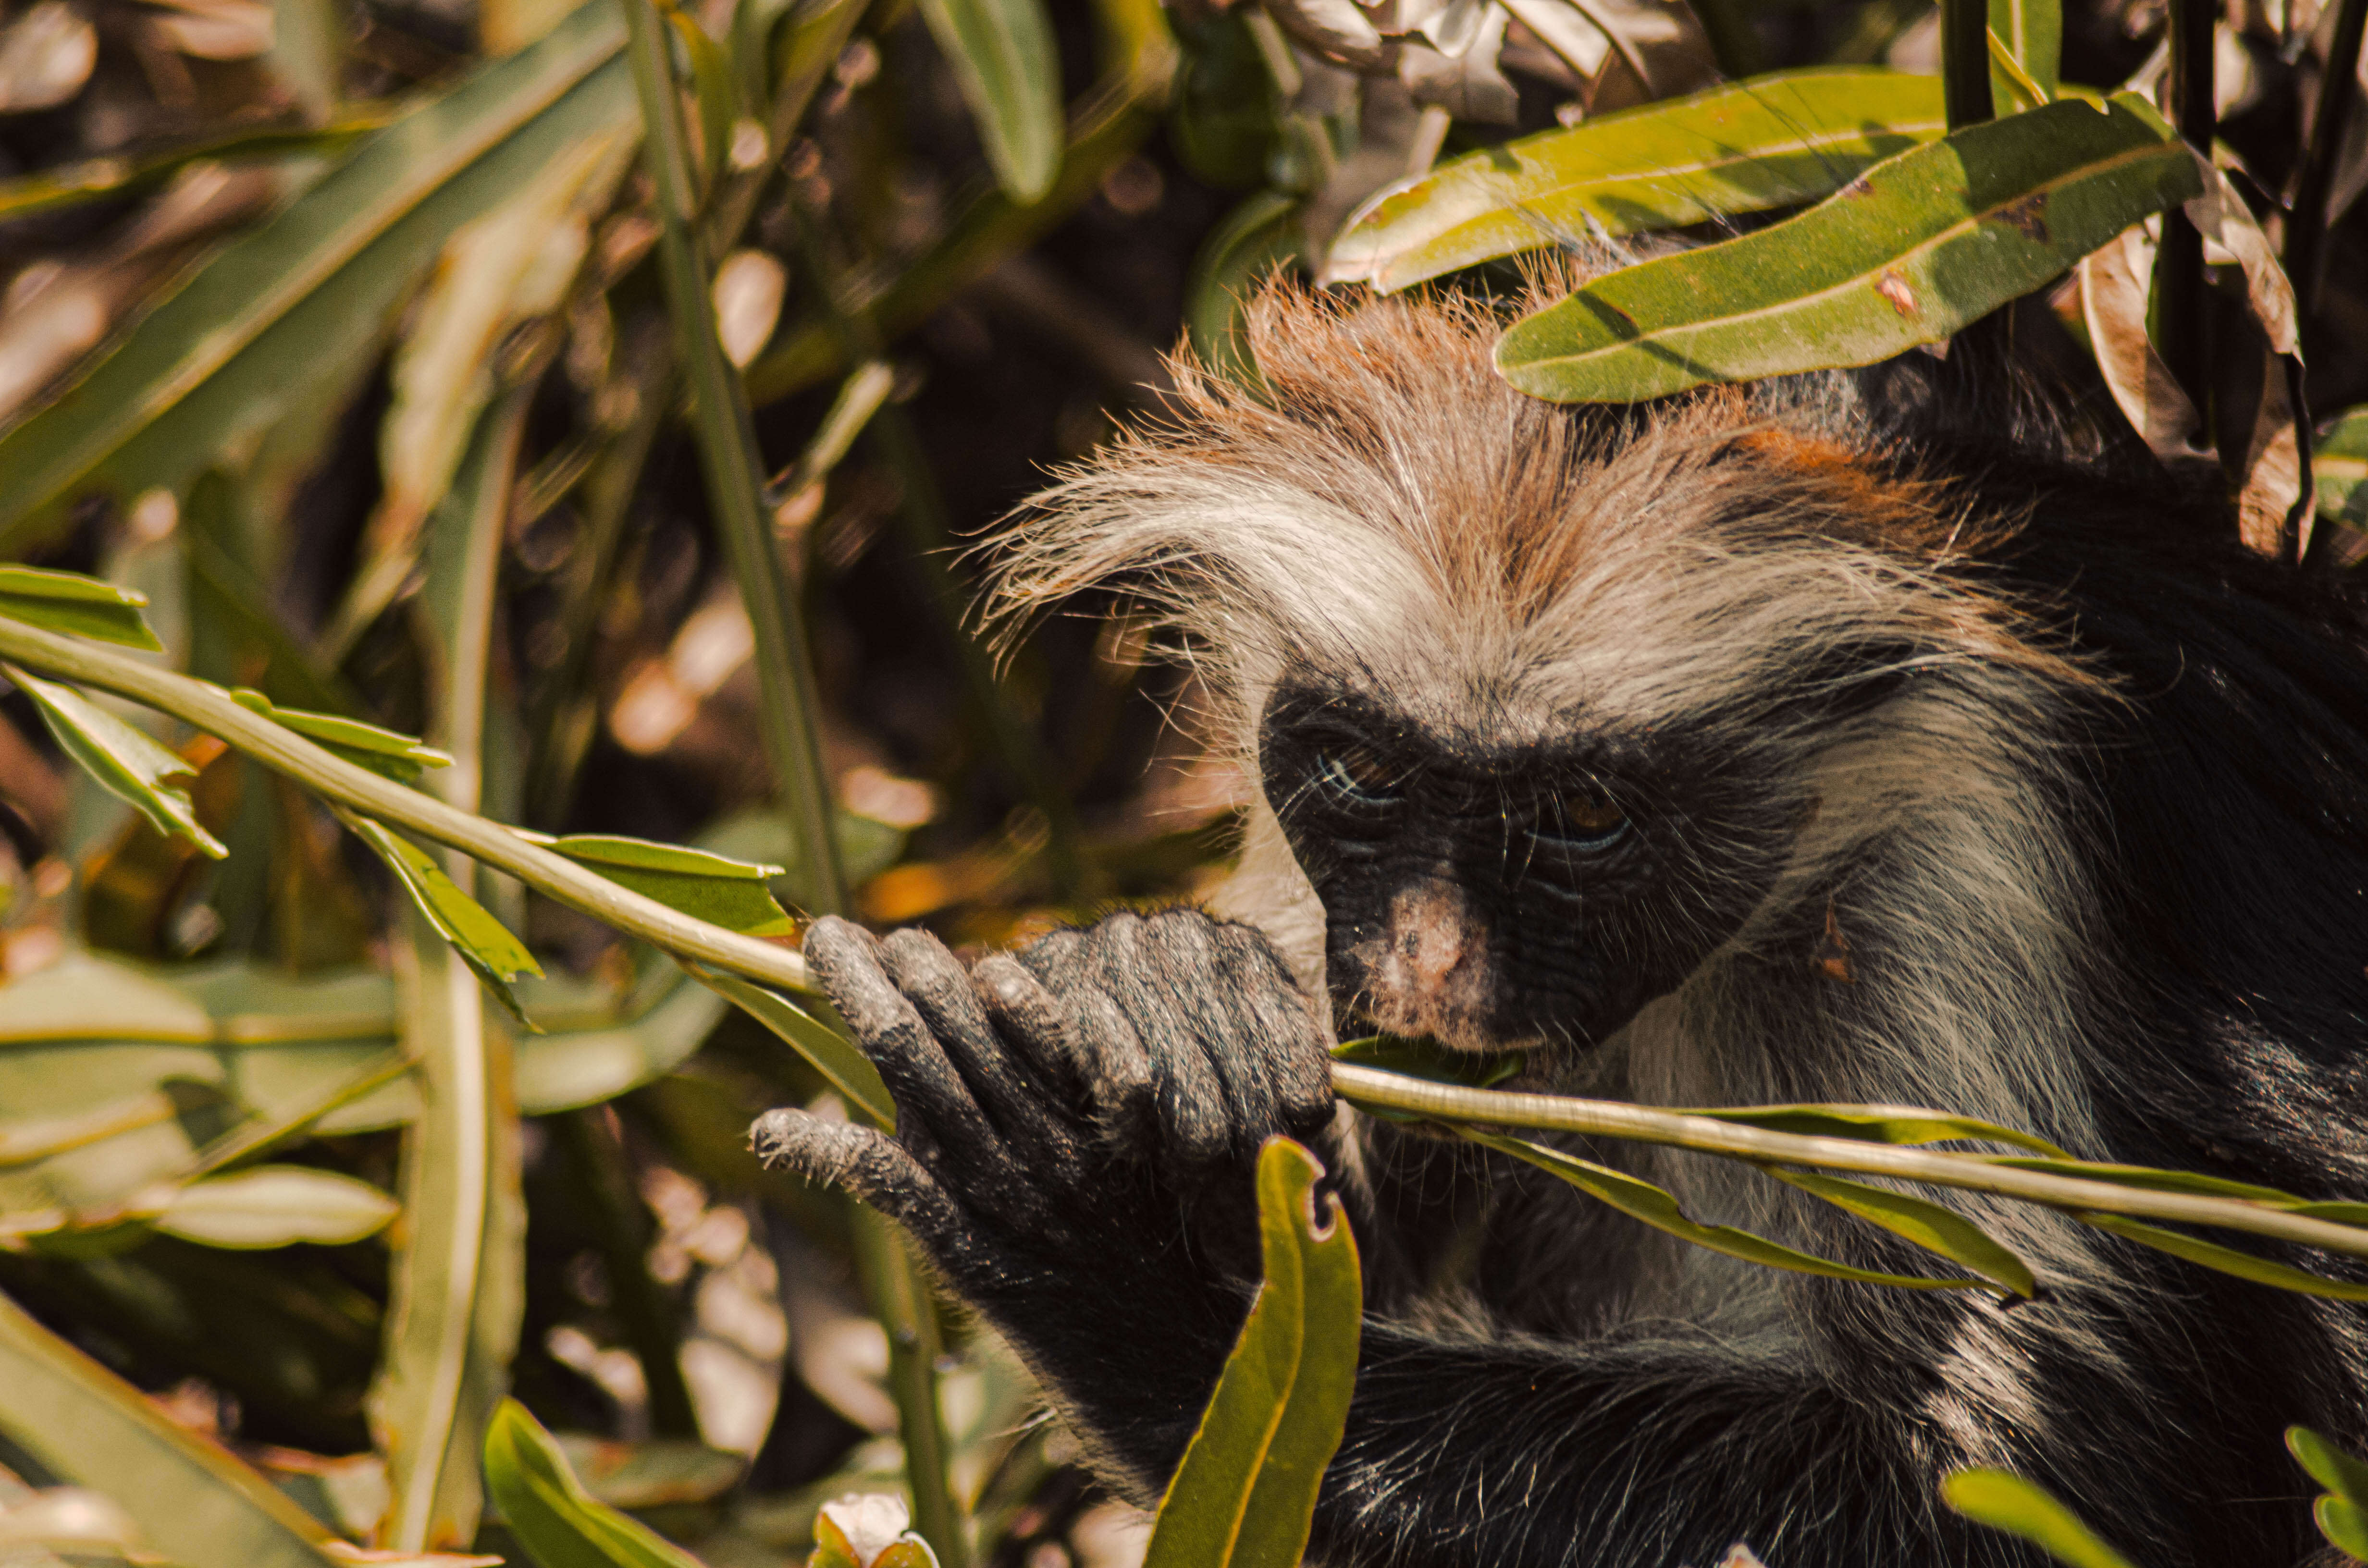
<point x="1965" y="61"/>
<point x="209" y="708"/>
<point x="788" y="701"/>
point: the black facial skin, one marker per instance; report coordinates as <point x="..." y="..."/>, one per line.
<point x="1585" y="876"/>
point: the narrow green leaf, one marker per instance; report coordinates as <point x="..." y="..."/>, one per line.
<point x="494" y="956"/>
<point x="2154" y="1180"/>
<point x="2009" y="83"/>
<point x="1004" y="60"/>
<point x="697" y="882"/>
<point x="561" y="1525"/>
<point x="276" y="1206"/>
<point x="2027" y="1510"/>
<point x="1428" y="1059"/>
<point x="1875" y="1124"/>
<point x="106" y="178"/>
<point x="89" y="1427"/>
<point x="256" y="327"/>
<point x="1245" y="1491"/>
<point x="2032" y="33"/>
<point x="68" y="601"/>
<point x="126" y="763"/>
<point x="2227" y="1260"/>
<point x="826" y="1049"/>
<point x="1258" y="236"/>
<point x="1932" y="1226"/>
<point x="711" y="87"/>
<point x="384" y="752"/>
<point x="2329" y="1464"/>
<point x="1643" y="1201"/>
<point x="2338" y="461"/>
<point x="1914" y="248"/>
<point x="1773" y="141"/>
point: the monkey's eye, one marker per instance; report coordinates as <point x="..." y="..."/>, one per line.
<point x="1358" y="773"/>
<point x="1581" y="819"/>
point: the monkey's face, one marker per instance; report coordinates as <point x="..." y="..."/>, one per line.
<point x="1532" y="891"/>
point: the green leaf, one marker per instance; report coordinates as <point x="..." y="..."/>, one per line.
<point x="1258" y="236"/>
<point x="1914" y="248"/>
<point x="1004" y="61"/>
<point x="560" y="1524"/>
<point x="384" y="752"/>
<point x="125" y="762"/>
<point x="87" y="1426"/>
<point x="276" y="1206"/>
<point x="2024" y="1509"/>
<point x="1418" y="1058"/>
<point x="2153" y="1180"/>
<point x="1246" y="1489"/>
<point x="1929" y="1225"/>
<point x="828" y="1049"/>
<point x="697" y="882"/>
<point x="1874" y="1124"/>
<point x="2338" y="461"/>
<point x="68" y="601"/>
<point x="256" y="329"/>
<point x="2226" y="1260"/>
<point x="1771" y="141"/>
<point x="494" y="956"/>
<point x="2032" y="33"/>
<point x="711" y="86"/>
<point x="106" y="178"/>
<point x="2345" y="1526"/>
<point x="1642" y="1200"/>
<point x="2329" y="1464"/>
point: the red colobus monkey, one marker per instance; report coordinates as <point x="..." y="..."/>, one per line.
<point x="1862" y="736"/>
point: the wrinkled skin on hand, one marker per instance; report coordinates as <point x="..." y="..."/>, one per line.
<point x="1076" y="1140"/>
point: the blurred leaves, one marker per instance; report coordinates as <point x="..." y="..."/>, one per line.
<point x="561" y="1525"/>
<point x="2028" y="1511"/>
<point x="1001" y="51"/>
<point x="276" y="1206"/>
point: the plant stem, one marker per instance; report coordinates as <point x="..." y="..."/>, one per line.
<point x="789" y="704"/>
<point x="2182" y="325"/>
<point x="1965" y="61"/>
<point x="900" y="1300"/>
<point x="209" y="708"/>
<point x="2306" y="233"/>
<point x="596" y="1161"/>
<point x="1379" y="1090"/>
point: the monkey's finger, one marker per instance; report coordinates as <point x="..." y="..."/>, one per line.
<point x="876" y="1169"/>
<point x="1281" y="1031"/>
<point x="1150" y="985"/>
<point x="1029" y="1019"/>
<point x="939" y="988"/>
<point x="1105" y="1054"/>
<point x="927" y="1090"/>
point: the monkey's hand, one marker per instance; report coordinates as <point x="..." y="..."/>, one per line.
<point x="1077" y="1130"/>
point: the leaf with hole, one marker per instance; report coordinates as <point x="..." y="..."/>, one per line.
<point x="1643" y="1201"/>
<point x="1246" y="1489"/>
<point x="1771" y="141"/>
<point x="124" y="761"/>
<point x="484" y="944"/>
<point x="68" y="601"/>
<point x="2028" y="1511"/>
<point x="384" y="752"/>
<point x="1916" y="248"/>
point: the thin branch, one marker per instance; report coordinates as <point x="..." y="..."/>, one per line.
<point x="209" y="708"/>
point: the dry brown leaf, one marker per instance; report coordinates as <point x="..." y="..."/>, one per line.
<point x="1467" y="84"/>
<point x="2114" y="285"/>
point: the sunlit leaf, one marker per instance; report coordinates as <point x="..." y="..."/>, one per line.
<point x="126" y="763"/>
<point x="1914" y="249"/>
<point x="1932" y="1226"/>
<point x="2026" y="1510"/>
<point x="542" y="1503"/>
<point x="86" y="1425"/>
<point x="276" y="1206"/>
<point x="1246" y="1489"/>
<point x="68" y="601"/>
<point x="494" y="956"/>
<point x="1642" y="1200"/>
<point x="1771" y="141"/>
<point x="697" y="882"/>
<point x="2150" y="1178"/>
<point x="384" y="752"/>
<point x="2224" y="1259"/>
<point x="2342" y="1514"/>
<point x="828" y="1051"/>
<point x="1004" y="58"/>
